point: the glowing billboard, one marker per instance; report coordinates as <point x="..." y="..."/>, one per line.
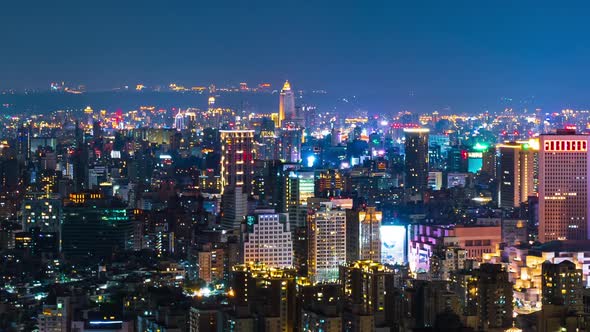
<point x="393" y="244"/>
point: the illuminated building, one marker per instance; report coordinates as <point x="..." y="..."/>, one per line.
<point x="491" y="292"/>
<point x="43" y="213"/>
<point x="286" y="104"/>
<point x="478" y="240"/>
<point x="326" y="242"/>
<point x="368" y="295"/>
<point x="428" y="240"/>
<point x="211" y="263"/>
<point x="179" y="121"/>
<point x="329" y="183"/>
<point x="265" y="293"/>
<point x="564" y="178"/>
<point x="267" y="149"/>
<point x="237" y="160"/>
<point x="562" y="285"/>
<point x="95" y="227"/>
<point x="416" y="163"/>
<point x="363" y="239"/>
<point x="234" y="206"/>
<point x="517" y="169"/>
<point x="266" y="239"/>
<point x="394" y="244"/>
<point x="300" y="185"/>
<point x="435" y="180"/>
<point x="320" y="306"/>
<point x="55" y="318"/>
<point x="290" y="145"/>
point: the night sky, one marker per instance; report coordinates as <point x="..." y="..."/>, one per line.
<point x="443" y="51"/>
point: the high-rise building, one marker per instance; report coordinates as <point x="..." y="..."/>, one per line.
<point x="363" y="234"/>
<point x="416" y="164"/>
<point x="290" y="145"/>
<point x="95" y="226"/>
<point x="369" y="292"/>
<point x="286" y="104"/>
<point x="562" y="285"/>
<point x="491" y="292"/>
<point x="234" y="207"/>
<point x="564" y="181"/>
<point x="267" y="239"/>
<point x="299" y="186"/>
<point x="237" y="160"/>
<point x="517" y="170"/>
<point x="265" y="293"/>
<point x="326" y="242"/>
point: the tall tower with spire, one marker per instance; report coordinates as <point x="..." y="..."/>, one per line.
<point x="286" y="104"/>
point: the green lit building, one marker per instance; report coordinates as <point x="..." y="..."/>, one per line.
<point x="96" y="228"/>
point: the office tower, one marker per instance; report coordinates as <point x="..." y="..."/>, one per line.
<point x="267" y="294"/>
<point x="517" y="170"/>
<point x="179" y="123"/>
<point x="457" y="160"/>
<point x="564" y="173"/>
<point x="290" y="145"/>
<point x="237" y="161"/>
<point x="491" y="292"/>
<point x="299" y="186"/>
<point x="23" y="143"/>
<point x="562" y="285"/>
<point x="267" y="147"/>
<point x="326" y="229"/>
<point x="363" y="239"/>
<point x="286" y="104"/>
<point x="416" y="164"/>
<point x="95" y="226"/>
<point x="266" y="239"/>
<point x="234" y="207"/>
<point x="368" y="295"/>
<point x="329" y="183"/>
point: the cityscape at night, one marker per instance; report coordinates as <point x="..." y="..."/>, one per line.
<point x="294" y="167"/>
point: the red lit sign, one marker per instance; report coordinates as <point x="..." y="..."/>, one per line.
<point x="565" y="146"/>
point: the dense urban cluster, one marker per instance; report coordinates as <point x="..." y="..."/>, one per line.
<point x="210" y="218"/>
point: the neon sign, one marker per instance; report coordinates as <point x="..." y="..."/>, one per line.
<point x="565" y="146"/>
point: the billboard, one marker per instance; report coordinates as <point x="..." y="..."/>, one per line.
<point x="393" y="244"/>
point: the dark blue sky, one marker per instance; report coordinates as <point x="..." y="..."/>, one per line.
<point x="444" y="51"/>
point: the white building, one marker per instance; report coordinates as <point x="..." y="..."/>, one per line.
<point x="266" y="238"/>
<point x="327" y="242"/>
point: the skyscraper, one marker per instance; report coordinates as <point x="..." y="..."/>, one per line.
<point x="237" y="160"/>
<point x="363" y="240"/>
<point x="327" y="242"/>
<point x="290" y="145"/>
<point x="416" y="164"/>
<point x="369" y="291"/>
<point x="286" y="104"/>
<point x="517" y="170"/>
<point x="564" y="173"/>
<point x="266" y="239"/>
